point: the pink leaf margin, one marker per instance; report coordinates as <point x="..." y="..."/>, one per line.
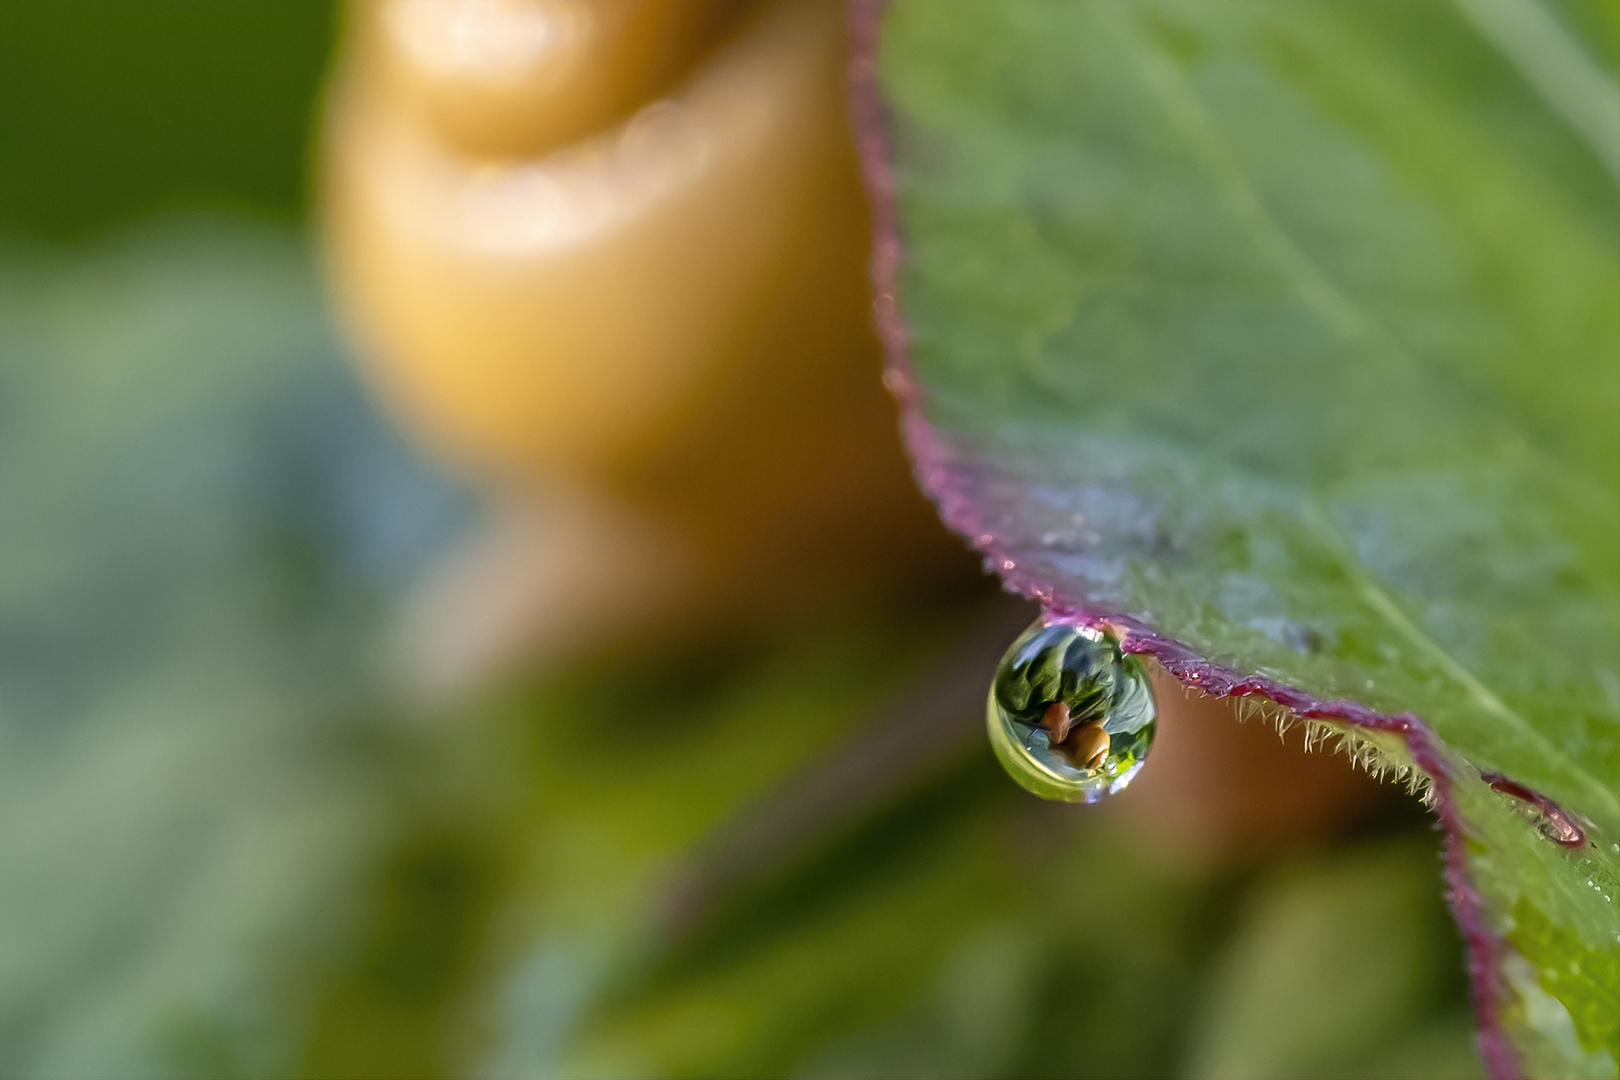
<point x="938" y="473"/>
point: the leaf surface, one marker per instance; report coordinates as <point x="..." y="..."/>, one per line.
<point x="1284" y="338"/>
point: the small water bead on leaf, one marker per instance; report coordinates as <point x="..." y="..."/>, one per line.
<point x="1070" y="716"/>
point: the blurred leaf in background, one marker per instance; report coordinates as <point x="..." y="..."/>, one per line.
<point x="205" y="523"/>
<point x="228" y="849"/>
<point x="109" y="112"/>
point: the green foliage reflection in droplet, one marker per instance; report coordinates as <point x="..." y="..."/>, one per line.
<point x="1070" y="717"/>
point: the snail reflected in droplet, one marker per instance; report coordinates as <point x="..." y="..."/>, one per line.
<point x="1071" y="717"/>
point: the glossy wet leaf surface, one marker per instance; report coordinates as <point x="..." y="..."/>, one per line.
<point x="1291" y="331"/>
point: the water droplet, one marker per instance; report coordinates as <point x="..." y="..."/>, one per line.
<point x="1070" y="716"/>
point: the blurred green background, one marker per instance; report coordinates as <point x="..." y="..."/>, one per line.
<point x="110" y="112"/>
<point x="231" y="844"/>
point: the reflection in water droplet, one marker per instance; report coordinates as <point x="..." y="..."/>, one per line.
<point x="1070" y="716"/>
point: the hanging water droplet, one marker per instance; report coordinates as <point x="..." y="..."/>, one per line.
<point x="1070" y="716"/>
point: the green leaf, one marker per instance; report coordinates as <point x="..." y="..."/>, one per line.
<point x="1285" y="337"/>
